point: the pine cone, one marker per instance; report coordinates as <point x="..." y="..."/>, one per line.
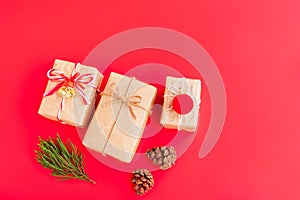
<point x="142" y="181"/>
<point x="164" y="157"/>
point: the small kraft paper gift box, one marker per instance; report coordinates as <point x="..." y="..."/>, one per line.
<point x="70" y="93"/>
<point x="179" y="86"/>
<point x="120" y="117"/>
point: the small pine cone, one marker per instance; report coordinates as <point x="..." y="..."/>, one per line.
<point x="142" y="181"/>
<point x="164" y="157"/>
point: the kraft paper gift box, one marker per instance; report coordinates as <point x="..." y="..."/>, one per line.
<point x="120" y="117"/>
<point x="178" y="86"/>
<point x="70" y="93"/>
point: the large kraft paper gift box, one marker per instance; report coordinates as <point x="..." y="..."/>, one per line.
<point x="120" y="117"/>
<point x="70" y="93"/>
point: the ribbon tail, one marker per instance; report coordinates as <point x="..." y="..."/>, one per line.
<point x="131" y="111"/>
<point x="60" y="111"/>
<point x="84" y="99"/>
<point x="52" y="91"/>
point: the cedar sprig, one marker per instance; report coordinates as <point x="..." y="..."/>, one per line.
<point x="64" y="160"/>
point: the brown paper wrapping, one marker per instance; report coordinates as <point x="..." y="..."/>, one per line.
<point x="74" y="111"/>
<point x="177" y="86"/>
<point x="117" y="127"/>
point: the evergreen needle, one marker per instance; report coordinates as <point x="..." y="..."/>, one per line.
<point x="65" y="160"/>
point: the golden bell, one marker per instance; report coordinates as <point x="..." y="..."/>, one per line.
<point x="66" y="91"/>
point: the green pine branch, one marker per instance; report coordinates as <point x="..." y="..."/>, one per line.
<point x="64" y="160"/>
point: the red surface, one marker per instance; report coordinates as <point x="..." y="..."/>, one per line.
<point x="256" y="47"/>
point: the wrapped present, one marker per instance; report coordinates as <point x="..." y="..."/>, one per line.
<point x="120" y="117"/>
<point x="178" y="86"/>
<point x="70" y="93"/>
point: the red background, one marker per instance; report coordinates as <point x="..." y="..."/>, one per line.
<point x="256" y="47"/>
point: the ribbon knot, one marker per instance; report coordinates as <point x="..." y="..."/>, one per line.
<point x="134" y="100"/>
<point x="131" y="102"/>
